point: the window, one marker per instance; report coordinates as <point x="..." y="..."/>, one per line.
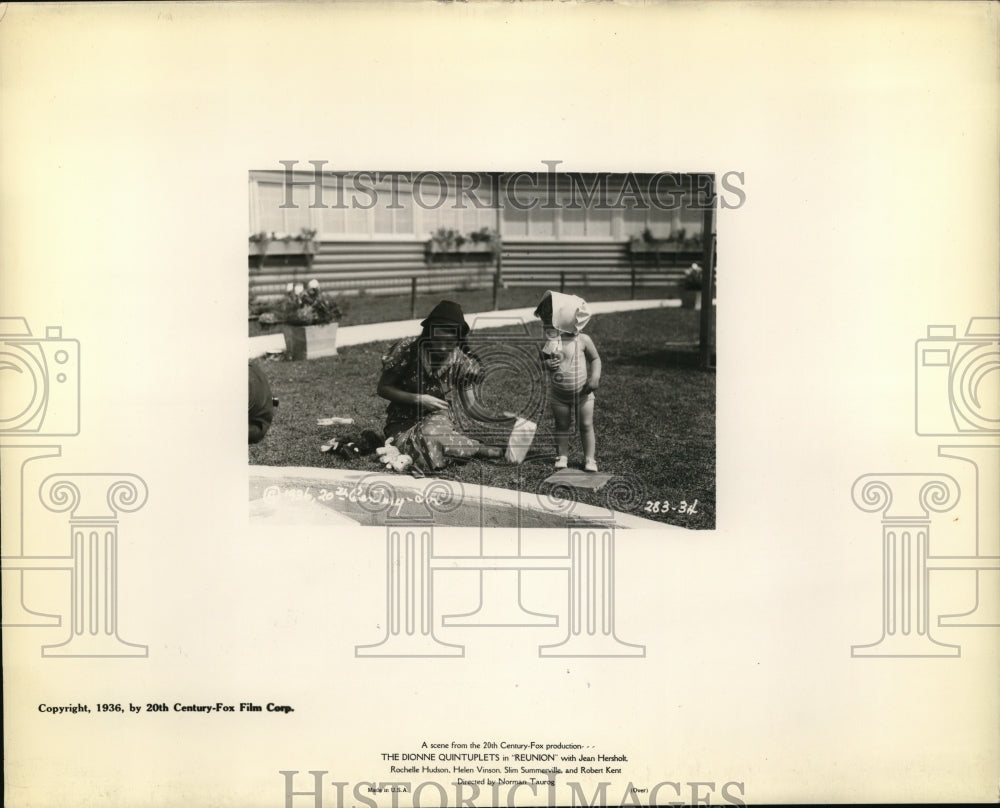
<point x="660" y="222"/>
<point x="514" y="221"/>
<point x="633" y="222"/>
<point x="332" y="220"/>
<point x="389" y="220"/>
<point x="573" y="223"/>
<point x="356" y="218"/>
<point x="366" y="213"/>
<point x="271" y="218"/>
<point x="300" y="216"/>
<point x="600" y="223"/>
<point x="541" y="223"/>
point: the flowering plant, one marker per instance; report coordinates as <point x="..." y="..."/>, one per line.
<point x="305" y="305"/>
<point x="488" y="238"/>
<point x="692" y="277"/>
<point x="307" y="235"/>
<point x="449" y="240"/>
<point x="444" y="239"/>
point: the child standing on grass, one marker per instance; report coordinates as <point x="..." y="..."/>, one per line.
<point x="573" y="367"/>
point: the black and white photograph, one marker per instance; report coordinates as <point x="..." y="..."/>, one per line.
<point x="622" y="382"/>
<point x="544" y="340"/>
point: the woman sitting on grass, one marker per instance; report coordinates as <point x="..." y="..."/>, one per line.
<point x="427" y="380"/>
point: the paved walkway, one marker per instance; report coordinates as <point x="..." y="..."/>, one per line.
<point x="358" y="334"/>
<point x="375" y="332"/>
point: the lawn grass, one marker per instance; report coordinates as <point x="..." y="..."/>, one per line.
<point x="654" y="415"/>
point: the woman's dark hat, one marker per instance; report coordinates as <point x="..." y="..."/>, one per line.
<point x="447" y="312"/>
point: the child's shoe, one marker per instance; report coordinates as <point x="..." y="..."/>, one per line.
<point x="590" y="465"/>
<point x="562" y="462"/>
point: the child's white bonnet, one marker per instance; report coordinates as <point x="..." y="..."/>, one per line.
<point x="569" y="312"/>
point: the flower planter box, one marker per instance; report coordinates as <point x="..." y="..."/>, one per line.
<point x="310" y="341"/>
<point x="651" y="247"/>
<point x="469" y="246"/>
<point x="670" y="253"/>
<point x="465" y="255"/>
<point x="292" y="247"/>
<point x="690" y="299"/>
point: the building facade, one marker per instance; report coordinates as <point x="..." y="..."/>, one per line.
<point x="375" y="230"/>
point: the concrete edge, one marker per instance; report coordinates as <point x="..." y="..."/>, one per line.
<point x="504" y="496"/>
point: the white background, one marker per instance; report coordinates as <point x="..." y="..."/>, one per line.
<point x="867" y="136"/>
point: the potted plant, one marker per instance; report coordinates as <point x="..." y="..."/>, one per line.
<point x="440" y="244"/>
<point x="264" y="243"/>
<point x="309" y="319"/>
<point x="446" y="244"/>
<point x="484" y="239"/>
<point x="646" y="242"/>
<point x="691" y="287"/>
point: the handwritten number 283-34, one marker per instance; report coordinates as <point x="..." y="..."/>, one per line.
<point x="664" y="506"/>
